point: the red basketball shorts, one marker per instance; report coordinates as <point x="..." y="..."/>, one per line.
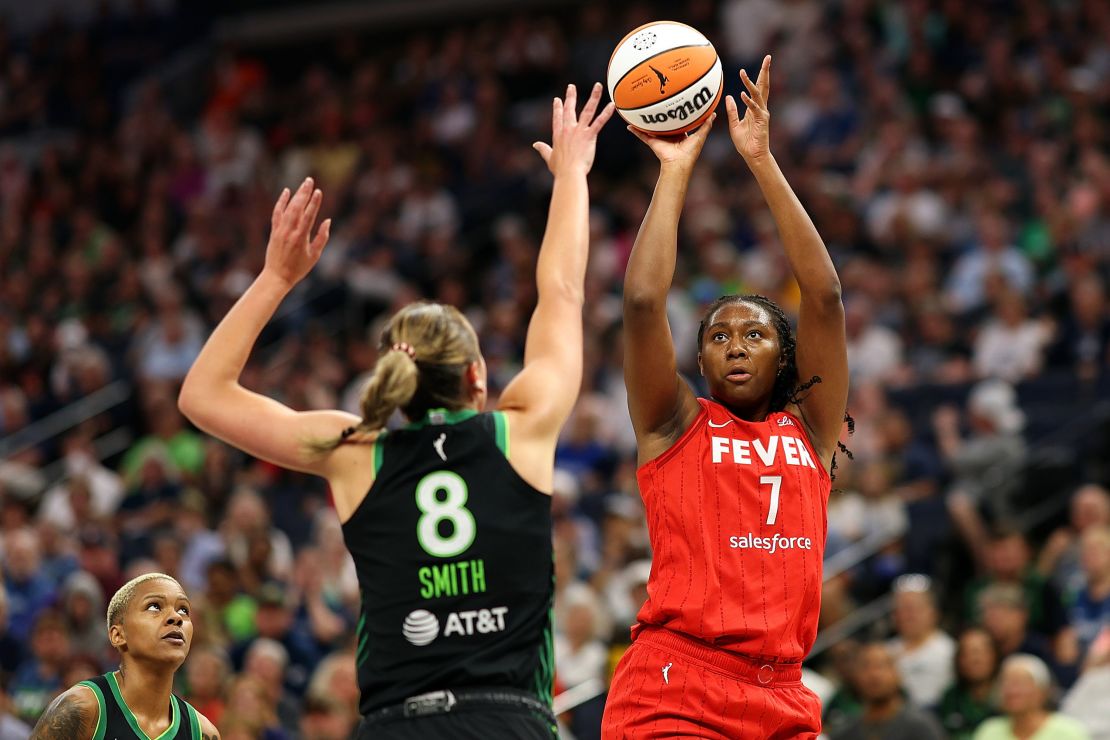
<point x="668" y="685"/>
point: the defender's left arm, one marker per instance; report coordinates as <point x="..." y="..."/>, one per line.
<point x="822" y="344"/>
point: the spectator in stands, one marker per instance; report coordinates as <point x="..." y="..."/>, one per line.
<point x="993" y="254"/>
<point x="224" y="614"/>
<point x="579" y="653"/>
<point x="39" y="678"/>
<point x="886" y="714"/>
<point x="12" y="650"/>
<point x="82" y="609"/>
<point x="28" y="589"/>
<point x="251" y="713"/>
<point x="1005" y="616"/>
<point x="983" y="465"/>
<point x="972" y="698"/>
<point x="1059" y="559"/>
<point x="1083" y="337"/>
<point x="266" y="661"/>
<point x="1086" y="701"/>
<point x="1008" y="563"/>
<point x="275" y="621"/>
<point x="1024" y="685"/>
<point x="1089" y="613"/>
<point x="11" y="727"/>
<point x="922" y="651"/>
<point x="1010" y="345"/>
<point x="207" y="673"/>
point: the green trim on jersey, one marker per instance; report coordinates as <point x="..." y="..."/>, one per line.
<point x="170" y="731"/>
<point x="544" y="677"/>
<point x="501" y="425"/>
<point x="194" y="721"/>
<point x="379" y="450"/>
<point x="363" y="641"/>
<point x="102" y="718"/>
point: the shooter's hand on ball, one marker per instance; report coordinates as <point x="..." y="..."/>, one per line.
<point x="677" y="151"/>
<point x="751" y="134"/>
<point x="573" y="138"/>
<point x="291" y="253"/>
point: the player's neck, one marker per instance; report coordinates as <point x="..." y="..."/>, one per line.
<point x="756" y="413"/>
<point x="146" y="689"/>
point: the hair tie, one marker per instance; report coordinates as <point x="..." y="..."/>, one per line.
<point x="406" y="348"/>
<point x="346" y="432"/>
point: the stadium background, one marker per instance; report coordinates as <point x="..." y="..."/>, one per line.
<point x="953" y="156"/>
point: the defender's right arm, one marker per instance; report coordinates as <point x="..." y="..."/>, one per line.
<point x="661" y="404"/>
<point x="71" y="716"/>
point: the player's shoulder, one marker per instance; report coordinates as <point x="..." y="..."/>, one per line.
<point x="71" y="716"/>
<point x="208" y="730"/>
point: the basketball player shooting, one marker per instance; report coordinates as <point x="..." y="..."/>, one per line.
<point x="735" y="485"/>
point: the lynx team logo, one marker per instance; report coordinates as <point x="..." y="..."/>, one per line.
<point x="421" y="627"/>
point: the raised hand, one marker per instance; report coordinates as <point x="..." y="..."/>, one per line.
<point x="291" y="253"/>
<point x="573" y="137"/>
<point x="751" y="134"/>
<point x="682" y="150"/>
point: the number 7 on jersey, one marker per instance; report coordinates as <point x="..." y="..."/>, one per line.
<point x="775" y="481"/>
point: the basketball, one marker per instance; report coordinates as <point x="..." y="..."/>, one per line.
<point x="665" y="78"/>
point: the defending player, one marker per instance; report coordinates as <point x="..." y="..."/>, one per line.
<point x="736" y="485"/>
<point x="150" y="625"/>
<point x="446" y="519"/>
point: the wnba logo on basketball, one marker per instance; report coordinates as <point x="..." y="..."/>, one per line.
<point x="682" y="111"/>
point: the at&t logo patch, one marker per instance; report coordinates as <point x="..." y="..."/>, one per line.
<point x="421" y="627"/>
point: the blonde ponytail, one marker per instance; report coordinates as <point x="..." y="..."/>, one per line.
<point x="391" y="387"/>
<point x="410" y="380"/>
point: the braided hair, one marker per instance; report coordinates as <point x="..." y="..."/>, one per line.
<point x="788" y="387"/>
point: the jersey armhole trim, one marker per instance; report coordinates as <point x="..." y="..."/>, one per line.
<point x="501" y="432"/>
<point x="101" y="720"/>
<point x="194" y="720"/>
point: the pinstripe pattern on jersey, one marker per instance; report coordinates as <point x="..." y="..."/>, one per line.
<point x="747" y="600"/>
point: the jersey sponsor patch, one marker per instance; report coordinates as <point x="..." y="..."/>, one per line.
<point x="421" y="627"/>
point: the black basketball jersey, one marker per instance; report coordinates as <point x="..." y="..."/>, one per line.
<point x="116" y="722"/>
<point x="454" y="560"/>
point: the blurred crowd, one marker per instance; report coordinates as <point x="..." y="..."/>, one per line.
<point x="954" y="158"/>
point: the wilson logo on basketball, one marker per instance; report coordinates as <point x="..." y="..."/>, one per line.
<point x="681" y="112"/>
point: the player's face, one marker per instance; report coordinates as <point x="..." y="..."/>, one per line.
<point x="158" y="624"/>
<point x="741" y="356"/>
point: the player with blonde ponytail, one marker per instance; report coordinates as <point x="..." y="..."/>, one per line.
<point x="448" y="518"/>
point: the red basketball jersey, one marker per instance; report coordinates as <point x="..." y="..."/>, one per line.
<point x="736" y="512"/>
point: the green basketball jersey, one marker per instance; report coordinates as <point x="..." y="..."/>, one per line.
<point x="116" y="722"/>
<point x="453" y="553"/>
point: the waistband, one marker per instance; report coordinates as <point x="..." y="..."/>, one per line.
<point x="460" y="700"/>
<point x="741" y="667"/>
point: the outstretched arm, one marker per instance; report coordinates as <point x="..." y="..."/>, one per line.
<point x="539" y="399"/>
<point x="822" y="345"/>
<point x="211" y="396"/>
<point x="821" y="342"/>
<point x="660" y="402"/>
<point x="72" y="716"/>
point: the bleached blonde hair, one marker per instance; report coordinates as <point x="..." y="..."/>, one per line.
<point x="122" y="598"/>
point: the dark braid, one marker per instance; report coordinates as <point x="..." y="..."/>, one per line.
<point x="788" y="388"/>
